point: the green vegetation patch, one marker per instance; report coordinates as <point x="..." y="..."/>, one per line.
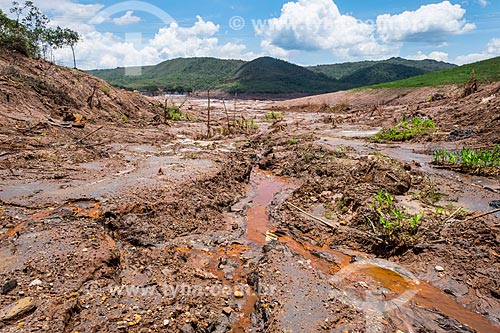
<point x="394" y="222"/>
<point x="484" y="71"/>
<point x="406" y="130"/>
<point x="478" y="161"/>
<point x="274" y="116"/>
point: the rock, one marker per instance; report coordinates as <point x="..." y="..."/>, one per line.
<point x="187" y="329"/>
<point x="121" y="325"/>
<point x="227" y="310"/>
<point x="9" y="286"/>
<point x="17" y="309"/>
<point x="36" y="283"/>
<point x="239" y="294"/>
<point x="166" y="322"/>
<point x="439" y="269"/>
<point x="495" y="204"/>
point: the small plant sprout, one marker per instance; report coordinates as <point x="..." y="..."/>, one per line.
<point x="394" y="220"/>
<point x="481" y="162"/>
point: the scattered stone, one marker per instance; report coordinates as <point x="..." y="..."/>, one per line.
<point x="187" y="329"/>
<point x="36" y="283"/>
<point x="9" y="286"/>
<point x="166" y="322"/>
<point x="121" y="325"/>
<point x="239" y="294"/>
<point x="17" y="309"/>
<point x="461" y="134"/>
<point x="495" y="204"/>
<point x="227" y="310"/>
<point x="363" y="284"/>
<point x="439" y="269"/>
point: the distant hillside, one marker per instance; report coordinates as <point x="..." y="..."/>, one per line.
<point x="269" y="75"/>
<point x="382" y="72"/>
<point x="341" y="71"/>
<point x="264" y="75"/>
<point x="182" y="74"/>
<point x="485" y="71"/>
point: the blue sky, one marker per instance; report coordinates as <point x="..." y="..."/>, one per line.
<point x="124" y="33"/>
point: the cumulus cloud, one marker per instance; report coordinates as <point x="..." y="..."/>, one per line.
<point x="318" y="25"/>
<point x="128" y="18"/>
<point x="196" y="41"/>
<point x="428" y="23"/>
<point x="439" y="56"/>
<point x="492" y="50"/>
<point x="107" y="50"/>
<point x="311" y="25"/>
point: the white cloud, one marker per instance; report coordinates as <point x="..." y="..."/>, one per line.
<point x="439" y="56"/>
<point x="196" y="41"/>
<point x="429" y="23"/>
<point x="313" y="25"/>
<point x="275" y="51"/>
<point x="483" y="3"/>
<point x="128" y="18"/>
<point x="492" y="50"/>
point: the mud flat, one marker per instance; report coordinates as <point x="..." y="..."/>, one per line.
<point x="270" y="226"/>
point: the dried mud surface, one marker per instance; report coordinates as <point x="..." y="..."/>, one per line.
<point x="146" y="226"/>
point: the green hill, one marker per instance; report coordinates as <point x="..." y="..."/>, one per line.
<point x="381" y="72"/>
<point x="264" y="75"/>
<point x="182" y="74"/>
<point x="340" y="71"/>
<point x="486" y="70"/>
<point x="269" y="75"/>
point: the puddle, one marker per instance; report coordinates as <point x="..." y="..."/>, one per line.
<point x="265" y="186"/>
<point x="359" y="133"/>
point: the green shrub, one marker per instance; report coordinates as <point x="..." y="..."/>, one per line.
<point x="406" y="130"/>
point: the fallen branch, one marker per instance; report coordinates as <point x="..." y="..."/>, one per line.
<point x="86" y="136"/>
<point x="483" y="215"/>
<point x="312" y="216"/>
<point x="337" y="226"/>
<point x="452" y="215"/>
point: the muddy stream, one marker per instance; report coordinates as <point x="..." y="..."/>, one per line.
<point x="372" y="286"/>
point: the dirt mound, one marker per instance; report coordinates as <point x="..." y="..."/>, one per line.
<point x="474" y="118"/>
<point x="34" y="90"/>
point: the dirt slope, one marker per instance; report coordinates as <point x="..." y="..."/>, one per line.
<point x="33" y="89"/>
